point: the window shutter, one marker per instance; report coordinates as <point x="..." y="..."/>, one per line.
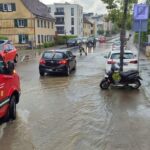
<point x="15" y="22"/>
<point x="26" y="37"/>
<point x="1" y="7"/>
<point x="25" y="22"/>
<point x="13" y="5"/>
<point x="20" y="39"/>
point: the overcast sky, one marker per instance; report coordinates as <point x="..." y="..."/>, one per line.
<point x="95" y="6"/>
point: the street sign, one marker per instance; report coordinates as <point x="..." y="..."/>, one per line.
<point x="141" y="12"/>
<point x="140" y="25"/>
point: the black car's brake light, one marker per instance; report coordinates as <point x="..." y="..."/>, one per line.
<point x="64" y="61"/>
<point x="42" y="62"/>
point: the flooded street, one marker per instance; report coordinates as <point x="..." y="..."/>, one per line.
<point x="72" y="113"/>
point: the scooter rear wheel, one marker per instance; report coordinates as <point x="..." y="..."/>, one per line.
<point x="104" y="84"/>
<point x="137" y="84"/>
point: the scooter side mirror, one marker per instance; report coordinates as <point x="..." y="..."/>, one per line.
<point x="105" y="56"/>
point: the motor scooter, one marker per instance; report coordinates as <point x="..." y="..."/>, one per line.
<point x="117" y="78"/>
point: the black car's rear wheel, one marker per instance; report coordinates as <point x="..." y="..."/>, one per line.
<point x="75" y="65"/>
<point x="68" y="71"/>
<point x="41" y="73"/>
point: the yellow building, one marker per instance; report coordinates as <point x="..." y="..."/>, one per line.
<point x="88" y="28"/>
<point x="26" y="21"/>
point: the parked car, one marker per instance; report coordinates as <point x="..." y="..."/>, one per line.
<point x="57" y="61"/>
<point x="73" y="42"/>
<point x="92" y="40"/>
<point x="84" y="40"/>
<point x="9" y="91"/>
<point x="8" y="51"/>
<point x="117" y="44"/>
<point x="130" y="60"/>
<point x="102" y="39"/>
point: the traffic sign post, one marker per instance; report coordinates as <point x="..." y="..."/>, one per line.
<point x="140" y="22"/>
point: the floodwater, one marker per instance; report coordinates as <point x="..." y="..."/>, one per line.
<point x="72" y="113"/>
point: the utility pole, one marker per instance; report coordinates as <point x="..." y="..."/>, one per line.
<point x="123" y="33"/>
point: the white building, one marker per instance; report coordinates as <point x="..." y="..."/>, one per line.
<point x="69" y="18"/>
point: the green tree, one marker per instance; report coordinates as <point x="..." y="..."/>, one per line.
<point x="115" y="11"/>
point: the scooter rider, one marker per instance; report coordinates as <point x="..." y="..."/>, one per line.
<point x="82" y="49"/>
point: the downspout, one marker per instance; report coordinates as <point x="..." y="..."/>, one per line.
<point x="34" y="32"/>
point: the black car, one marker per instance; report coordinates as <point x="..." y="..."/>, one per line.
<point x="73" y="42"/>
<point x="57" y="61"/>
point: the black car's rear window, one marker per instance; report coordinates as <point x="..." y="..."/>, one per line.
<point x="53" y="55"/>
<point x="126" y="56"/>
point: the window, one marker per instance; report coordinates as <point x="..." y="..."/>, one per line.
<point x="60" y="30"/>
<point x="125" y="56"/>
<point x="38" y="23"/>
<point x="53" y="55"/>
<point x="20" y="22"/>
<point x="72" y="21"/>
<point x="60" y="9"/>
<point x="23" y="38"/>
<point x="7" y="7"/>
<point x="42" y="23"/>
<point x="42" y="38"/>
<point x="39" y="40"/>
<point x="48" y="24"/>
<point x="72" y="30"/>
<point x="72" y="11"/>
<point x="49" y="9"/>
<point x="52" y="25"/>
<point x="45" y="23"/>
<point x="45" y="38"/>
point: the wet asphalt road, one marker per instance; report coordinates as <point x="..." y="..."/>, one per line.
<point x="73" y="113"/>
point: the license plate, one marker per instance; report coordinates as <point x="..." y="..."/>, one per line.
<point x="49" y="70"/>
<point x="125" y="64"/>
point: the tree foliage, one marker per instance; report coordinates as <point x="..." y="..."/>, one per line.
<point x="115" y="11"/>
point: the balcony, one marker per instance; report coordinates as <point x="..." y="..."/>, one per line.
<point x="59" y="13"/>
<point x="59" y="23"/>
<point x="61" y="32"/>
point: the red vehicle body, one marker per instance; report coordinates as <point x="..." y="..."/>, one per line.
<point x="9" y="92"/>
<point x="102" y="39"/>
<point x="8" y="51"/>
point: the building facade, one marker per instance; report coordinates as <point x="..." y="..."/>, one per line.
<point x="26" y="21"/>
<point x="69" y="18"/>
<point x="88" y="28"/>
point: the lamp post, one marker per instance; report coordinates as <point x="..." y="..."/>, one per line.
<point x="123" y="33"/>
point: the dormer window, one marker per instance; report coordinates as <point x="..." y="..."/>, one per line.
<point x="7" y="7"/>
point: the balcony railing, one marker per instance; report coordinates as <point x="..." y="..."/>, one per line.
<point x="59" y="13"/>
<point x="59" y="23"/>
<point x="60" y="32"/>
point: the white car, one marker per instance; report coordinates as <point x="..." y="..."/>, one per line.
<point x="130" y="61"/>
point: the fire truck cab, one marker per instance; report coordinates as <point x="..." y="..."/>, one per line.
<point x="9" y="91"/>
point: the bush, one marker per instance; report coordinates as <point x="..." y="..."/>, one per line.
<point x="61" y="40"/>
<point x="144" y="37"/>
<point x="3" y="38"/>
<point x="100" y="32"/>
<point x="107" y="33"/>
<point x="48" y="44"/>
